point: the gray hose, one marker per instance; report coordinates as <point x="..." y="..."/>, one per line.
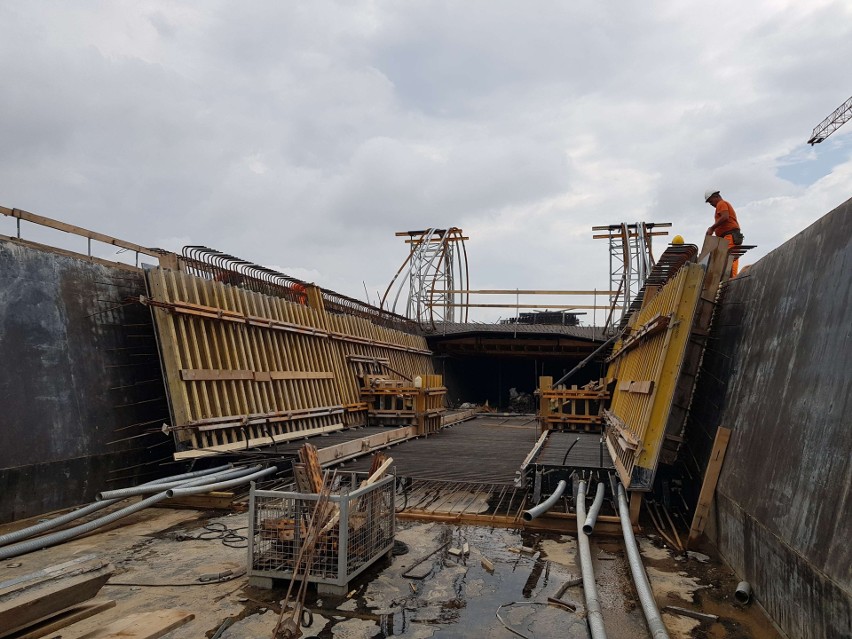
<point x="592" y="517"/>
<point x="184" y="491"/>
<point x="640" y="579"/>
<point x="590" y="589"/>
<point x="544" y="506"/>
<point x="44" y="526"/>
<point x="145" y="489"/>
<point x="58" y="537"/>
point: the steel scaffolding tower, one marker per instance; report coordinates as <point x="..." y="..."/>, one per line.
<point x="630" y="260"/>
<point x="436" y="267"/>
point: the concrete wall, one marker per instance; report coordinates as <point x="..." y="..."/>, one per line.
<point x="77" y="374"/>
<point x="783" y="512"/>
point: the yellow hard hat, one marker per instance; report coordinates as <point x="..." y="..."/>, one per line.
<point x="677" y="239"/>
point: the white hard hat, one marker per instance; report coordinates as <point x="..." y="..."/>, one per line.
<point x="710" y="193"/>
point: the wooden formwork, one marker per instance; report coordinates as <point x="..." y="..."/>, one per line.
<point x="247" y="369"/>
<point x="419" y="402"/>
<point x="574" y="409"/>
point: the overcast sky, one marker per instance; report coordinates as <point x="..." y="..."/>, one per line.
<point x="304" y="134"/>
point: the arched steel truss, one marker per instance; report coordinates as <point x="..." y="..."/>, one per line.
<point x="436" y="267"/>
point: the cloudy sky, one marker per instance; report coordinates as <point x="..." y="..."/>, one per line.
<point x="304" y="134"/>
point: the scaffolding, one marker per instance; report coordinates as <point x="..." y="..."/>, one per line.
<point x="631" y="259"/>
<point x="437" y="271"/>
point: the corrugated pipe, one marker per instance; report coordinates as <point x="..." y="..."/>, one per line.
<point x="24" y="547"/>
<point x="145" y="489"/>
<point x="184" y="491"/>
<point x="593" y="606"/>
<point x="50" y="524"/>
<point x="640" y="579"/>
<point x="544" y="506"/>
<point x="592" y="517"/>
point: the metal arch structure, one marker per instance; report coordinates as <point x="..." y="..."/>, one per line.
<point x="436" y="267"/>
<point x="631" y="259"/>
<point x="837" y="119"/>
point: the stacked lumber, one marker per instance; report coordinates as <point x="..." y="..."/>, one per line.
<point x="42" y="602"/>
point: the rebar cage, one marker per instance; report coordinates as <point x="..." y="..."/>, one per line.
<point x="364" y="531"/>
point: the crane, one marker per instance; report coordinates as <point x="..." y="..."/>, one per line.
<point x="838" y="118"/>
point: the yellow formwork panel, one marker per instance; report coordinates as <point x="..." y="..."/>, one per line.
<point x="646" y="371"/>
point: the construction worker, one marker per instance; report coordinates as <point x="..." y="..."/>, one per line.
<point x="725" y="223"/>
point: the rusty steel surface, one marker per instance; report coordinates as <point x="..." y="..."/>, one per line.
<point x="484" y="449"/>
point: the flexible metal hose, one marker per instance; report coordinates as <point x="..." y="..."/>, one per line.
<point x="592" y="517"/>
<point x="241" y="476"/>
<point x="593" y="606"/>
<point x="183" y="491"/>
<point x="44" y="526"/>
<point x="544" y="506"/>
<point x="144" y="489"/>
<point x="640" y="579"/>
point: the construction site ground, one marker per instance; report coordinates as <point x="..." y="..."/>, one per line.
<point x="159" y="555"/>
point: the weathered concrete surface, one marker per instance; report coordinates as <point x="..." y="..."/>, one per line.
<point x="77" y="373"/>
<point x="783" y="513"/>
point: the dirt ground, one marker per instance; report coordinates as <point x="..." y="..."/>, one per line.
<point x="160" y="554"/>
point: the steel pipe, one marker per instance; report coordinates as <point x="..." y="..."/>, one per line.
<point x="640" y="578"/>
<point x="544" y="506"/>
<point x="184" y="491"/>
<point x="50" y="524"/>
<point x="590" y="590"/>
<point x="58" y="537"/>
<point x="144" y="489"/>
<point x="592" y="517"/>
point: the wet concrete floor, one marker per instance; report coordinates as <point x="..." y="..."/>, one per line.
<point x="160" y="554"/>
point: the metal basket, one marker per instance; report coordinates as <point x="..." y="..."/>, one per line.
<point x="278" y="522"/>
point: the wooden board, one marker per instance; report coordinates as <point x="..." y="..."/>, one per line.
<point x="64" y="619"/>
<point x="143" y="625"/>
<point x="35" y="604"/>
<point x="708" y="486"/>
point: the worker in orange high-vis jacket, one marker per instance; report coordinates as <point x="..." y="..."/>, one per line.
<point x="725" y="223"/>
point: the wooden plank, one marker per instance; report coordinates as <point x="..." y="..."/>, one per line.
<point x="143" y="625"/>
<point x="73" y="567"/>
<point x="78" y="230"/>
<point x="215" y="500"/>
<point x="708" y="486"/>
<point x="65" y="618"/>
<point x="364" y="445"/>
<point x="38" y="603"/>
<point x="254" y="442"/>
<point x="203" y="375"/>
<point x="301" y="375"/>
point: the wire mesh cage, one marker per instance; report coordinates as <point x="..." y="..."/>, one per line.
<point x="360" y="530"/>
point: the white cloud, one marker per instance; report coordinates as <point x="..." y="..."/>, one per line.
<point x="308" y="133"/>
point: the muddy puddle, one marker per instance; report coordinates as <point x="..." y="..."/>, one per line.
<point x="430" y="591"/>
